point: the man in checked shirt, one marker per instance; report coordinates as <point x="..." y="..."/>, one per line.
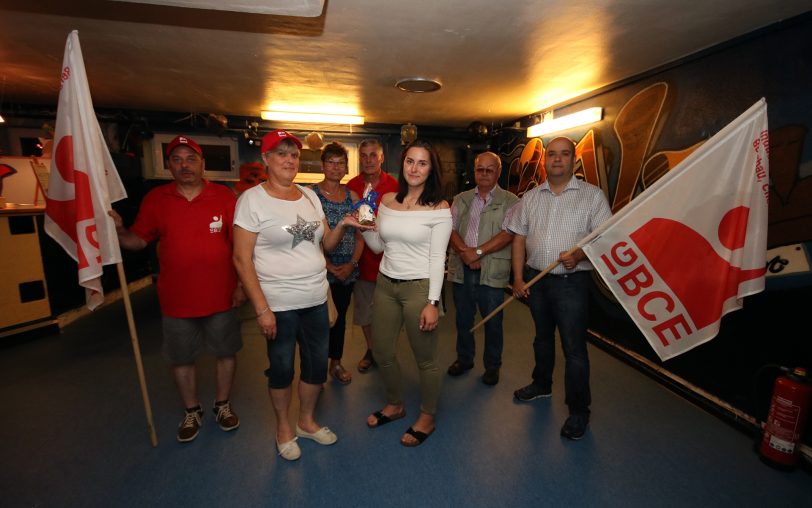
<point x="479" y="263"/>
<point x="550" y="220"/>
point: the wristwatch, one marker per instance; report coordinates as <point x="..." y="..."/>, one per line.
<point x="436" y="303"/>
<point x="479" y="252"/>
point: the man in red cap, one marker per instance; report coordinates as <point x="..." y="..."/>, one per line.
<point x="197" y="284"/>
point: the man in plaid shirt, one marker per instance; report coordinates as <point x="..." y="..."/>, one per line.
<point x="550" y="220"/>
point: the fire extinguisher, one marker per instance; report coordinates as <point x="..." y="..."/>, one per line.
<point x="789" y="408"/>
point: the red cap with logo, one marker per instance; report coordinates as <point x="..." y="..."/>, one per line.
<point x="273" y="138"/>
<point x="184" y="141"/>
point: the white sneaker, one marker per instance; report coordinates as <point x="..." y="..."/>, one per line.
<point x="323" y="436"/>
<point x="289" y="450"/>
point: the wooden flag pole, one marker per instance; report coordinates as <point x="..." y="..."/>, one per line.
<point x="527" y="285"/>
<point x="125" y="294"/>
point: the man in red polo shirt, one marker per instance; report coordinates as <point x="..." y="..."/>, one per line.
<point x="370" y="153"/>
<point x="197" y="284"/>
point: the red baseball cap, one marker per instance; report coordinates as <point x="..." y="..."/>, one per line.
<point x="273" y="138"/>
<point x="185" y="141"/>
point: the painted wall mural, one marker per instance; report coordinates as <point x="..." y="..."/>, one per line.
<point x="652" y="124"/>
<point x="637" y="128"/>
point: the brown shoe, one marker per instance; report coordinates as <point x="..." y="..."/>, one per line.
<point x="340" y="374"/>
<point x="366" y="362"/>
<point x="225" y="417"/>
<point x="458" y="368"/>
<point x="189" y="428"/>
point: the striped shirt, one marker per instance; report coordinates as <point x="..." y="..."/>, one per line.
<point x="555" y="223"/>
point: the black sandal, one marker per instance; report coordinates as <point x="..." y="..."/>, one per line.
<point x="382" y="419"/>
<point x="420" y="436"/>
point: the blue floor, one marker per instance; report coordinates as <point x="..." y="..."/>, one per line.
<point x="74" y="435"/>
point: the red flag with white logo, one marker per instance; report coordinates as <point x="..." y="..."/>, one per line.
<point x="83" y="180"/>
<point x="687" y="250"/>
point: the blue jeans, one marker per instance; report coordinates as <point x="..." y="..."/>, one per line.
<point x="563" y="301"/>
<point x="469" y="296"/>
<point x="310" y="328"/>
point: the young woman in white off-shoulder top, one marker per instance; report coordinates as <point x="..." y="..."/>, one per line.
<point x="412" y="229"/>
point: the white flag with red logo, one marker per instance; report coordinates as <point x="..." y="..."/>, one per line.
<point x="687" y="250"/>
<point x="83" y="180"/>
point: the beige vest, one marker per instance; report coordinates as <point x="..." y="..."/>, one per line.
<point x="496" y="265"/>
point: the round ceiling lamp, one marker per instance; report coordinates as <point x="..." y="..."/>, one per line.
<point x="418" y="84"/>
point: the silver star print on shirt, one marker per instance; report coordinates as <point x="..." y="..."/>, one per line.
<point x="302" y="230"/>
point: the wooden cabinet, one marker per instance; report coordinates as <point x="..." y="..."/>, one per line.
<point x="23" y="291"/>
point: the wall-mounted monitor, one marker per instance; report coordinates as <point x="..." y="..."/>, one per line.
<point x="221" y="154"/>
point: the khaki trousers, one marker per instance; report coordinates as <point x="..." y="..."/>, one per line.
<point x="398" y="304"/>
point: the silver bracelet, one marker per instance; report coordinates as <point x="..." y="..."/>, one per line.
<point x="264" y="311"/>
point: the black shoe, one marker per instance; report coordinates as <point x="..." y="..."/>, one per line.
<point x="532" y="392"/>
<point x="457" y="368"/>
<point x="575" y="427"/>
<point x="490" y="377"/>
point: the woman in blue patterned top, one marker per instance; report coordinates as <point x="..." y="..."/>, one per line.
<point x="342" y="263"/>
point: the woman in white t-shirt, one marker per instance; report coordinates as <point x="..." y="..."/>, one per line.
<point x="412" y="229"/>
<point x="280" y="228"/>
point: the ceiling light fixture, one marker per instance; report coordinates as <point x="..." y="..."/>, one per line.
<point x="321" y="118"/>
<point x="251" y="133"/>
<point x="299" y="8"/>
<point x="418" y="84"/>
<point x="584" y="117"/>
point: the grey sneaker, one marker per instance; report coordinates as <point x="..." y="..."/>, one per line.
<point x="532" y="392"/>
<point x="189" y="428"/>
<point x="225" y="417"/>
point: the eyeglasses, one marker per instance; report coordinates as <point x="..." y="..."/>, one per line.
<point x="336" y="163"/>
